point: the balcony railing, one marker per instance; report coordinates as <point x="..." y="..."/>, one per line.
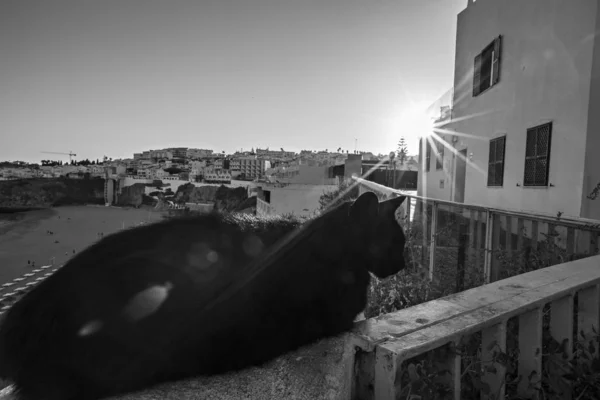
<point x="454" y="240"/>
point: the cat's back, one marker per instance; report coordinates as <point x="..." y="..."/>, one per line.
<point x="188" y="259"/>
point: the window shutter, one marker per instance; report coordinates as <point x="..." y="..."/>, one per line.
<point x="477" y="75"/>
<point x="496" y="60"/>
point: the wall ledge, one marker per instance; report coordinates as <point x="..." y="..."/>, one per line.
<point x="322" y="371"/>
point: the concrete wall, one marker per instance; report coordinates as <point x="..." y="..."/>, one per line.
<point x="313" y="175"/>
<point x="545" y="74"/>
<point x="429" y="182"/>
<point x="323" y="371"/>
<point x="296" y="198"/>
<point x="353" y="165"/>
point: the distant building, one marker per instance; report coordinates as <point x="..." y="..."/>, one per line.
<point x="296" y="190"/>
<point x="195" y="154"/>
<point x="217" y="177"/>
<point x="252" y="167"/>
<point x="377" y="171"/>
<point x="178" y="152"/>
<point x="274" y="153"/>
<point x="156" y="155"/>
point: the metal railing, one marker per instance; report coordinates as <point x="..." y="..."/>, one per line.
<point x="455" y="238"/>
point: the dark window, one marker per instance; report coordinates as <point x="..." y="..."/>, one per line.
<point x="267" y="195"/>
<point x="486" y="70"/>
<point x="427" y="155"/>
<point x="537" y="155"/>
<point x="496" y="162"/>
<point x="439" y="161"/>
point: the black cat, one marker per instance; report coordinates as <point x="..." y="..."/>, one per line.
<point x="195" y="296"/>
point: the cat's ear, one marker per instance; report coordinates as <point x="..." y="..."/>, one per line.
<point x="391" y="206"/>
<point x="365" y="208"/>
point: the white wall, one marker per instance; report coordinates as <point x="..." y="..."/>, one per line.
<point x="545" y="75"/>
<point x="591" y="208"/>
<point x="296" y="198"/>
<point x="430" y="181"/>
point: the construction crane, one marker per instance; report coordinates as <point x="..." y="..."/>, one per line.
<point x="70" y="154"/>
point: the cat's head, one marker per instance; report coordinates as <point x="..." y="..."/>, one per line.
<point x="379" y="233"/>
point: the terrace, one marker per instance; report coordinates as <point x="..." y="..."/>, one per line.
<point x="495" y="325"/>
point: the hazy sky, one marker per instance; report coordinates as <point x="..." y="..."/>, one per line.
<point x="120" y="76"/>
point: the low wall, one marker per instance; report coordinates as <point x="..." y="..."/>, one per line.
<point x="366" y="364"/>
<point x="323" y="371"/>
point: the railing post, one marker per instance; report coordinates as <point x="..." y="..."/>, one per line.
<point x="489" y="233"/>
<point x="478" y="237"/>
<point x="493" y="341"/>
<point x="472" y="236"/>
<point x="461" y="258"/>
<point x="408" y="209"/>
<point x="424" y="218"/>
<point x="588" y="314"/>
<point x="561" y="329"/>
<point x="432" y="240"/>
<point x="387" y="369"/>
<point x="530" y="350"/>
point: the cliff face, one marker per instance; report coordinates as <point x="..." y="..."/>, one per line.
<point x="33" y="193"/>
<point x="41" y="193"/>
<point x="225" y="198"/>
<point x="189" y="193"/>
<point x="132" y="195"/>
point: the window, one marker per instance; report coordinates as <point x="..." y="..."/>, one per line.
<point x="267" y="195"/>
<point x="439" y="161"/>
<point x="486" y="71"/>
<point x="496" y="162"/>
<point x="537" y="155"/>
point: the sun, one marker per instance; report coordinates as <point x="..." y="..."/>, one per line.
<point x="414" y="122"/>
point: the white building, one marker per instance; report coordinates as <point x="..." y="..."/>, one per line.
<point x="195" y="154"/>
<point x="524" y="109"/>
<point x="294" y="190"/>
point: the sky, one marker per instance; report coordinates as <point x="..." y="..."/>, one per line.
<point x="114" y="77"/>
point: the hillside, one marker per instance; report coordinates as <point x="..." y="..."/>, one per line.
<point x="44" y="192"/>
<point x="27" y="194"/>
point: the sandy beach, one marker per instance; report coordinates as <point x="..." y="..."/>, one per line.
<point x="24" y="236"/>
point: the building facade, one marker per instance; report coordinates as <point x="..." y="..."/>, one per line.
<point x="522" y="129"/>
<point x="195" y="154"/>
<point x="251" y="167"/>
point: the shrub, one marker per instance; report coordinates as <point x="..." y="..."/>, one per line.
<point x="345" y="192"/>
